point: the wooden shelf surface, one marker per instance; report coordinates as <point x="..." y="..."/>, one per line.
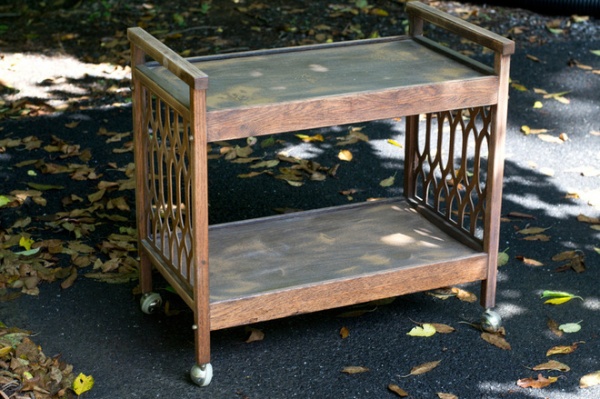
<point x="273" y="91"/>
<point x="354" y="253"/>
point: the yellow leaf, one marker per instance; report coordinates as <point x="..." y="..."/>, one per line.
<point x="427" y="330"/>
<point x="558" y="301"/>
<point x="345" y="155"/>
<point x="518" y="86"/>
<point x="538" y="105"/>
<point x="83" y="383"/>
<point x="394" y="142"/>
<point x="308" y="139"/>
<point x="590" y="380"/>
<point x="26" y="243"/>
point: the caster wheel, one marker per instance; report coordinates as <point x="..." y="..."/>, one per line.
<point x="150" y="302"/>
<point x="202" y="375"/>
<point x="491" y="321"/>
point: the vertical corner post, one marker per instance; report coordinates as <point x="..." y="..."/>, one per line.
<point x="199" y="209"/>
<point x="495" y="176"/>
<point x="140" y="134"/>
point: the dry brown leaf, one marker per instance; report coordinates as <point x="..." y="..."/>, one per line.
<point x="590" y="380"/>
<point x="553" y="326"/>
<point x="423" y="368"/>
<point x="255" y="335"/>
<point x="443" y="328"/>
<point x="464" y="295"/>
<point x="397" y="390"/>
<point x="68" y="282"/>
<point x="562" y="349"/>
<point x="548" y="138"/>
<point x="344" y="332"/>
<point x="442" y="395"/>
<point x="537" y="237"/>
<point x="496" y="340"/>
<point x="541" y="382"/>
<point x="354" y="369"/>
<point x="552" y="365"/>
<point x="533" y="230"/>
<point x="588" y="219"/>
<point x="529" y="261"/>
<point x="520" y="215"/>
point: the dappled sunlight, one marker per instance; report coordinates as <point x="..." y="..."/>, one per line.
<point x="61" y="81"/>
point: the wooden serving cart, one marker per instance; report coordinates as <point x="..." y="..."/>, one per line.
<point x="444" y="231"/>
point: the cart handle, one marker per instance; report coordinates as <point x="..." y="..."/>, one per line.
<point x="168" y="58"/>
<point x="469" y="31"/>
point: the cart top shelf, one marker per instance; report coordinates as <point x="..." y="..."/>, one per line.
<point x="296" y="74"/>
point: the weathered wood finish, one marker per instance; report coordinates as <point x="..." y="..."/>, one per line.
<point x="446" y="231"/>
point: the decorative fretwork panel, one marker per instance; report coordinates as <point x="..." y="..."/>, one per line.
<point x="169" y="184"/>
<point x="451" y="167"/>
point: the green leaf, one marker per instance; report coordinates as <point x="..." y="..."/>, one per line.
<point x="570" y="327"/>
<point x="4" y="200"/>
<point x="595" y="52"/>
<point x="44" y="187"/>
<point x="556" y="294"/>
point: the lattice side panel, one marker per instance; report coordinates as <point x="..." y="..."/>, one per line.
<point x="169" y="185"/>
<point x="451" y="177"/>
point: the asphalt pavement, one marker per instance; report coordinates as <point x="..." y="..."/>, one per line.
<point x="100" y="329"/>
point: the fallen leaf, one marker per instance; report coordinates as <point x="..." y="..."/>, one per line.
<point x="550" y="139"/>
<point x="570" y="327"/>
<point x="442" y="395"/>
<point x="397" y="390"/>
<point x="255" y="335"/>
<point x="533" y="230"/>
<point x="427" y="330"/>
<point x="538" y="105"/>
<point x="345" y="155"/>
<point x="83" y="383"/>
<point x="496" y="340"/>
<point x="529" y="261"/>
<point x="541" y="382"/>
<point x="537" y="237"/>
<point x="558" y="301"/>
<point x="388" y="182"/>
<point x="354" y="369"/>
<point x="423" y="368"/>
<point x="443" y="328"/>
<point x="503" y="258"/>
<point x="464" y="295"/>
<point x="520" y="215"/>
<point x="310" y="139"/>
<point x="590" y="380"/>
<point x="552" y="365"/>
<point x="562" y="349"/>
<point x="395" y="143"/>
<point x="553" y="326"/>
<point x="344" y="332"/>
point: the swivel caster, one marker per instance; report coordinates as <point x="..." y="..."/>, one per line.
<point x="491" y="321"/>
<point x="202" y="375"/>
<point x="150" y="302"/>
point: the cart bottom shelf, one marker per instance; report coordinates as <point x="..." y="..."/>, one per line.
<point x="279" y="266"/>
